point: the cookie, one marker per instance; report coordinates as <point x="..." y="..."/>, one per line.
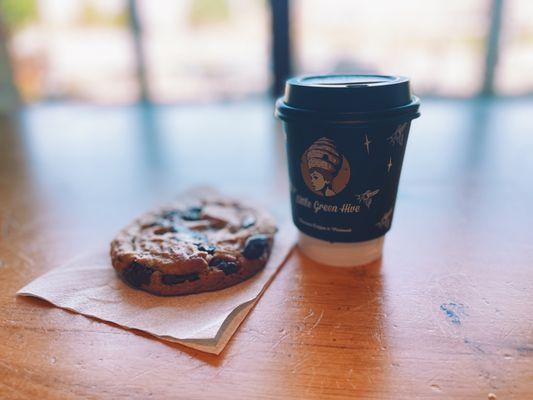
<point x="193" y="245"/>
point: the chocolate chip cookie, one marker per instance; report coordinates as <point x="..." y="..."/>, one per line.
<point x="193" y="245"/>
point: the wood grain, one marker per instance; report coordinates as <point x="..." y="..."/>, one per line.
<point x="445" y="314"/>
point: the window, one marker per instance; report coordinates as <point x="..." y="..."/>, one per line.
<point x="441" y="47"/>
<point x="202" y="50"/>
<point x="515" y="65"/>
<point x="72" y="49"/>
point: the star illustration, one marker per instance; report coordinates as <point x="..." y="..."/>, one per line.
<point x="389" y="164"/>
<point x="367" y="197"/>
<point x="367" y="144"/>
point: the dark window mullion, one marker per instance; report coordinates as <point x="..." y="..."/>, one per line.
<point x="280" y="45"/>
<point x="492" y="47"/>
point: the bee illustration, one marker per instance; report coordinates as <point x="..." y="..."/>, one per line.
<point x="367" y="197"/>
<point x="398" y="135"/>
<point x="385" y="221"/>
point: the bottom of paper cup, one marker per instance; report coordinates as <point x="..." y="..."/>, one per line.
<point x="340" y="254"/>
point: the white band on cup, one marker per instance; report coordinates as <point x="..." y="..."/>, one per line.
<point x="340" y="254"/>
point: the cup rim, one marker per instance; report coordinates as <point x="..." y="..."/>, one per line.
<point x="285" y="112"/>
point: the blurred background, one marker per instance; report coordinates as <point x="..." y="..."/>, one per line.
<point x="108" y="107"/>
<point x="197" y="51"/>
<point x="111" y="107"/>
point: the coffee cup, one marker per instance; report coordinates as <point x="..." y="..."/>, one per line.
<point x="345" y="139"/>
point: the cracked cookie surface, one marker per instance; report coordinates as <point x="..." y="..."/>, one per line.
<point x="193" y="245"/>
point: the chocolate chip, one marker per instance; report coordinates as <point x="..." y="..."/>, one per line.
<point x="161" y="226"/>
<point x="137" y="274"/>
<point x="228" y="267"/>
<point x="170" y="214"/>
<point x="255" y="247"/>
<point x="194" y="236"/>
<point x="172" y="279"/>
<point x="192" y="214"/>
<point x="208" y="248"/>
<point x="248" y="222"/>
<point x="215" y="261"/>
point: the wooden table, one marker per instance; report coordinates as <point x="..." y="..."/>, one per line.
<point x="445" y="314"/>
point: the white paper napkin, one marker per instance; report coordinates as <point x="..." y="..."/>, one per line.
<point x="88" y="285"/>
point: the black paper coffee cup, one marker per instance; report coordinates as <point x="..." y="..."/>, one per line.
<point x="346" y="138"/>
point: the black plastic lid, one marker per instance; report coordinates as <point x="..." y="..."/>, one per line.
<point x="347" y="98"/>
